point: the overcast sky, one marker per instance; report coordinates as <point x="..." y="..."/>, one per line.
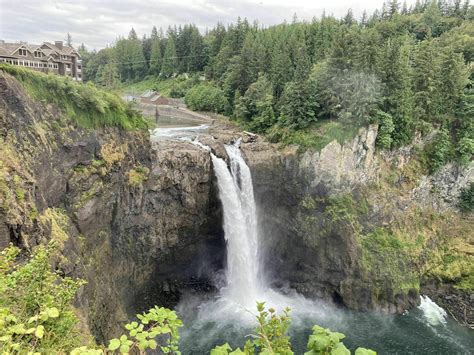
<point x="97" y="23"/>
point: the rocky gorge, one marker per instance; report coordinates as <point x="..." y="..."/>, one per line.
<point x="365" y="229"/>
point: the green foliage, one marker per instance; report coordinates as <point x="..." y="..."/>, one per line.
<point x="386" y="128"/>
<point x="169" y="63"/>
<point x="325" y="342"/>
<point x="206" y="97"/>
<point x="439" y="151"/>
<point x="466" y="198"/>
<point x="386" y="257"/>
<point x="85" y="105"/>
<point x="271" y="338"/>
<point x="316" y="137"/>
<point x="409" y="63"/>
<point x="157" y="322"/>
<point x="35" y="303"/>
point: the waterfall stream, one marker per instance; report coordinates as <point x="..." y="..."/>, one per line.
<point x="240" y="227"/>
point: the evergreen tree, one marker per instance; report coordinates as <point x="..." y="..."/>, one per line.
<point x="281" y="68"/>
<point x="170" y="61"/>
<point x="394" y="70"/>
<point x="349" y="18"/>
<point x="154" y="33"/>
<point x="426" y="85"/>
<point x="132" y="36"/>
<point x="156" y="58"/>
<point x="454" y="77"/>
<point x="108" y="75"/>
<point x="393" y="7"/>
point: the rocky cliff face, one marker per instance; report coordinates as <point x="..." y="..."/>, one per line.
<point x="143" y="222"/>
<point x="359" y="227"/>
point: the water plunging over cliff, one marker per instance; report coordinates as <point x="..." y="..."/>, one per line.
<point x="245" y="283"/>
<point x="240" y="227"/>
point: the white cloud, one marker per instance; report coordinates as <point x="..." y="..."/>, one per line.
<point x="98" y="23"/>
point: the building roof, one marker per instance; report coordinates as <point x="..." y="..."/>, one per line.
<point x="8" y="49"/>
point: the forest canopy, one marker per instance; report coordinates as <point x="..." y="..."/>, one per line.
<point x="407" y="68"/>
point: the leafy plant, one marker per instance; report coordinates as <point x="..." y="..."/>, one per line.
<point x="35" y="303"/>
<point x="157" y="322"/>
<point x="271" y="338"/>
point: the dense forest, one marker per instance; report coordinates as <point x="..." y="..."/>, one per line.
<point x="407" y="68"/>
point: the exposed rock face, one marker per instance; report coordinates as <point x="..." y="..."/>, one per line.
<point x="144" y="223"/>
<point x="317" y="209"/>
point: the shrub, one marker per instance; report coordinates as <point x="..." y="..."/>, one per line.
<point x="466" y="198"/>
<point x="205" y="97"/>
<point x="439" y="151"/>
<point x="465" y="150"/>
<point x="36" y="304"/>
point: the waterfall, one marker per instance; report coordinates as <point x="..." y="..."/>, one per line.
<point x="433" y="313"/>
<point x="244" y="277"/>
<point x="240" y="227"/>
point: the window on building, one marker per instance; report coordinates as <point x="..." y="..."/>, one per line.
<point x="38" y="54"/>
<point x="68" y="66"/>
<point x="79" y="67"/>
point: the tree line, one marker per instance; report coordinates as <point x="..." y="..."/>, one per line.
<point x="408" y="68"/>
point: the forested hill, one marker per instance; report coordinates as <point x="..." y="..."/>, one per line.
<point x="408" y="68"/>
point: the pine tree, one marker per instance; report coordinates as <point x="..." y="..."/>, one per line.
<point x="393" y="7"/>
<point x="394" y="70"/>
<point x="453" y="79"/>
<point x="349" y="18"/>
<point x="156" y="58"/>
<point x="108" y="75"/>
<point x="281" y="68"/>
<point x="154" y="33"/>
<point x="69" y="40"/>
<point x="196" y="54"/>
<point x="132" y="35"/>
<point x="170" y="62"/>
<point x="364" y="19"/>
<point x="426" y="74"/>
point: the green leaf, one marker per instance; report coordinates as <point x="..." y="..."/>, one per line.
<point x="30" y="330"/>
<point x="53" y="312"/>
<point x="152" y="344"/>
<point x="33" y="319"/>
<point x="364" y="351"/>
<point x="124" y="348"/>
<point x="39" y="331"/>
<point x="221" y="349"/>
<point x="114" y="344"/>
<point x="340" y="349"/>
<point x="123" y="338"/>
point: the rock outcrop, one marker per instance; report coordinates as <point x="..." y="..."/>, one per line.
<point x="144" y="222"/>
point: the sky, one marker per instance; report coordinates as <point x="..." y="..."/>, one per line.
<point x="97" y="23"/>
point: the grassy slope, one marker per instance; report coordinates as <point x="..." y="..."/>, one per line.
<point x="86" y="105"/>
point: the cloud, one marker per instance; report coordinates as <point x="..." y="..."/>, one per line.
<point x="97" y="23"/>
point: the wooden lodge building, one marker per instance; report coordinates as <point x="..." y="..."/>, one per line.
<point x="49" y="58"/>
